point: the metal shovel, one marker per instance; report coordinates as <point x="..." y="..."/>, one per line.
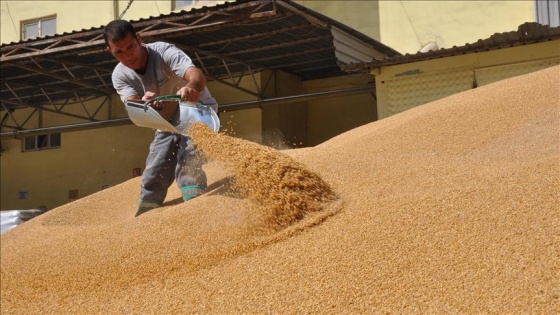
<point x="176" y="120"/>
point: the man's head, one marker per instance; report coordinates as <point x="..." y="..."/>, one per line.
<point x="117" y="30"/>
<point x="123" y="42"/>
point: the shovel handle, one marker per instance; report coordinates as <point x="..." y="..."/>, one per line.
<point x="168" y="97"/>
<point x="174" y="97"/>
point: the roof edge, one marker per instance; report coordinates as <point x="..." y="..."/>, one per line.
<point x="527" y="33"/>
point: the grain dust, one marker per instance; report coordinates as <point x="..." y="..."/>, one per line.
<point x="283" y="188"/>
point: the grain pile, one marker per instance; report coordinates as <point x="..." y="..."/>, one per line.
<point x="451" y="207"/>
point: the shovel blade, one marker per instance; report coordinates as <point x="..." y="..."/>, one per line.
<point x="187" y="113"/>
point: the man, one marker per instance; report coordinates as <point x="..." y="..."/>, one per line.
<point x="144" y="72"/>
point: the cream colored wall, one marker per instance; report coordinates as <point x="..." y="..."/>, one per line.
<point x="86" y="161"/>
<point x="246" y="123"/>
<point x="278" y="125"/>
<point x="407" y="26"/>
<point x="328" y="117"/>
<point x="77" y="15"/>
<point x="362" y="16"/>
<point x="285" y="123"/>
<point x="151" y="8"/>
<point x="143" y="9"/>
<point x="405" y="86"/>
<point x="70" y="15"/>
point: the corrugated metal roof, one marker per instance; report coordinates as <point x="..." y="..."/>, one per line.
<point x="226" y="41"/>
<point x="527" y="33"/>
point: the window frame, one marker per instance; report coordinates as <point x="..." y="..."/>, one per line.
<point x="547" y="12"/>
<point x="41" y="142"/>
<point x="175" y="7"/>
<point x="39" y="22"/>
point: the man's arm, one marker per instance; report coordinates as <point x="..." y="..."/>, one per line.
<point x="196" y="82"/>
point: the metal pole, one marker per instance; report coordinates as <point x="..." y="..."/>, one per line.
<point x="65" y="128"/>
<point x="294" y="98"/>
<point x="222" y="108"/>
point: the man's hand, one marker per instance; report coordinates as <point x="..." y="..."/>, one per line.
<point x="189" y="94"/>
<point x="157" y="105"/>
<point x="165" y="108"/>
<point x="148" y="96"/>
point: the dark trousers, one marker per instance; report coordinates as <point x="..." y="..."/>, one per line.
<point x="172" y="157"/>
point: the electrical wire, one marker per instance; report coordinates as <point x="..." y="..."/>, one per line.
<point x="127" y="7"/>
<point x="157" y="7"/>
<point x="411" y="24"/>
<point x="12" y="19"/>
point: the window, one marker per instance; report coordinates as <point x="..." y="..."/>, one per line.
<point x="548" y="12"/>
<point x="178" y="4"/>
<point x="73" y="194"/>
<point x="22" y="195"/>
<point x="37" y="28"/>
<point x="41" y="142"/>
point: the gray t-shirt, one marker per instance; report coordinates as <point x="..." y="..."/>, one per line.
<point x="164" y="74"/>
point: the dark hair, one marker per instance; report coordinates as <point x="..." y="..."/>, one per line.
<point x="117" y="30"/>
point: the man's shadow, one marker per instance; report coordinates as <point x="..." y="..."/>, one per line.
<point x="223" y="187"/>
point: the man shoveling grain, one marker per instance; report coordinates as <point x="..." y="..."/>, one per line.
<point x="144" y="72"/>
